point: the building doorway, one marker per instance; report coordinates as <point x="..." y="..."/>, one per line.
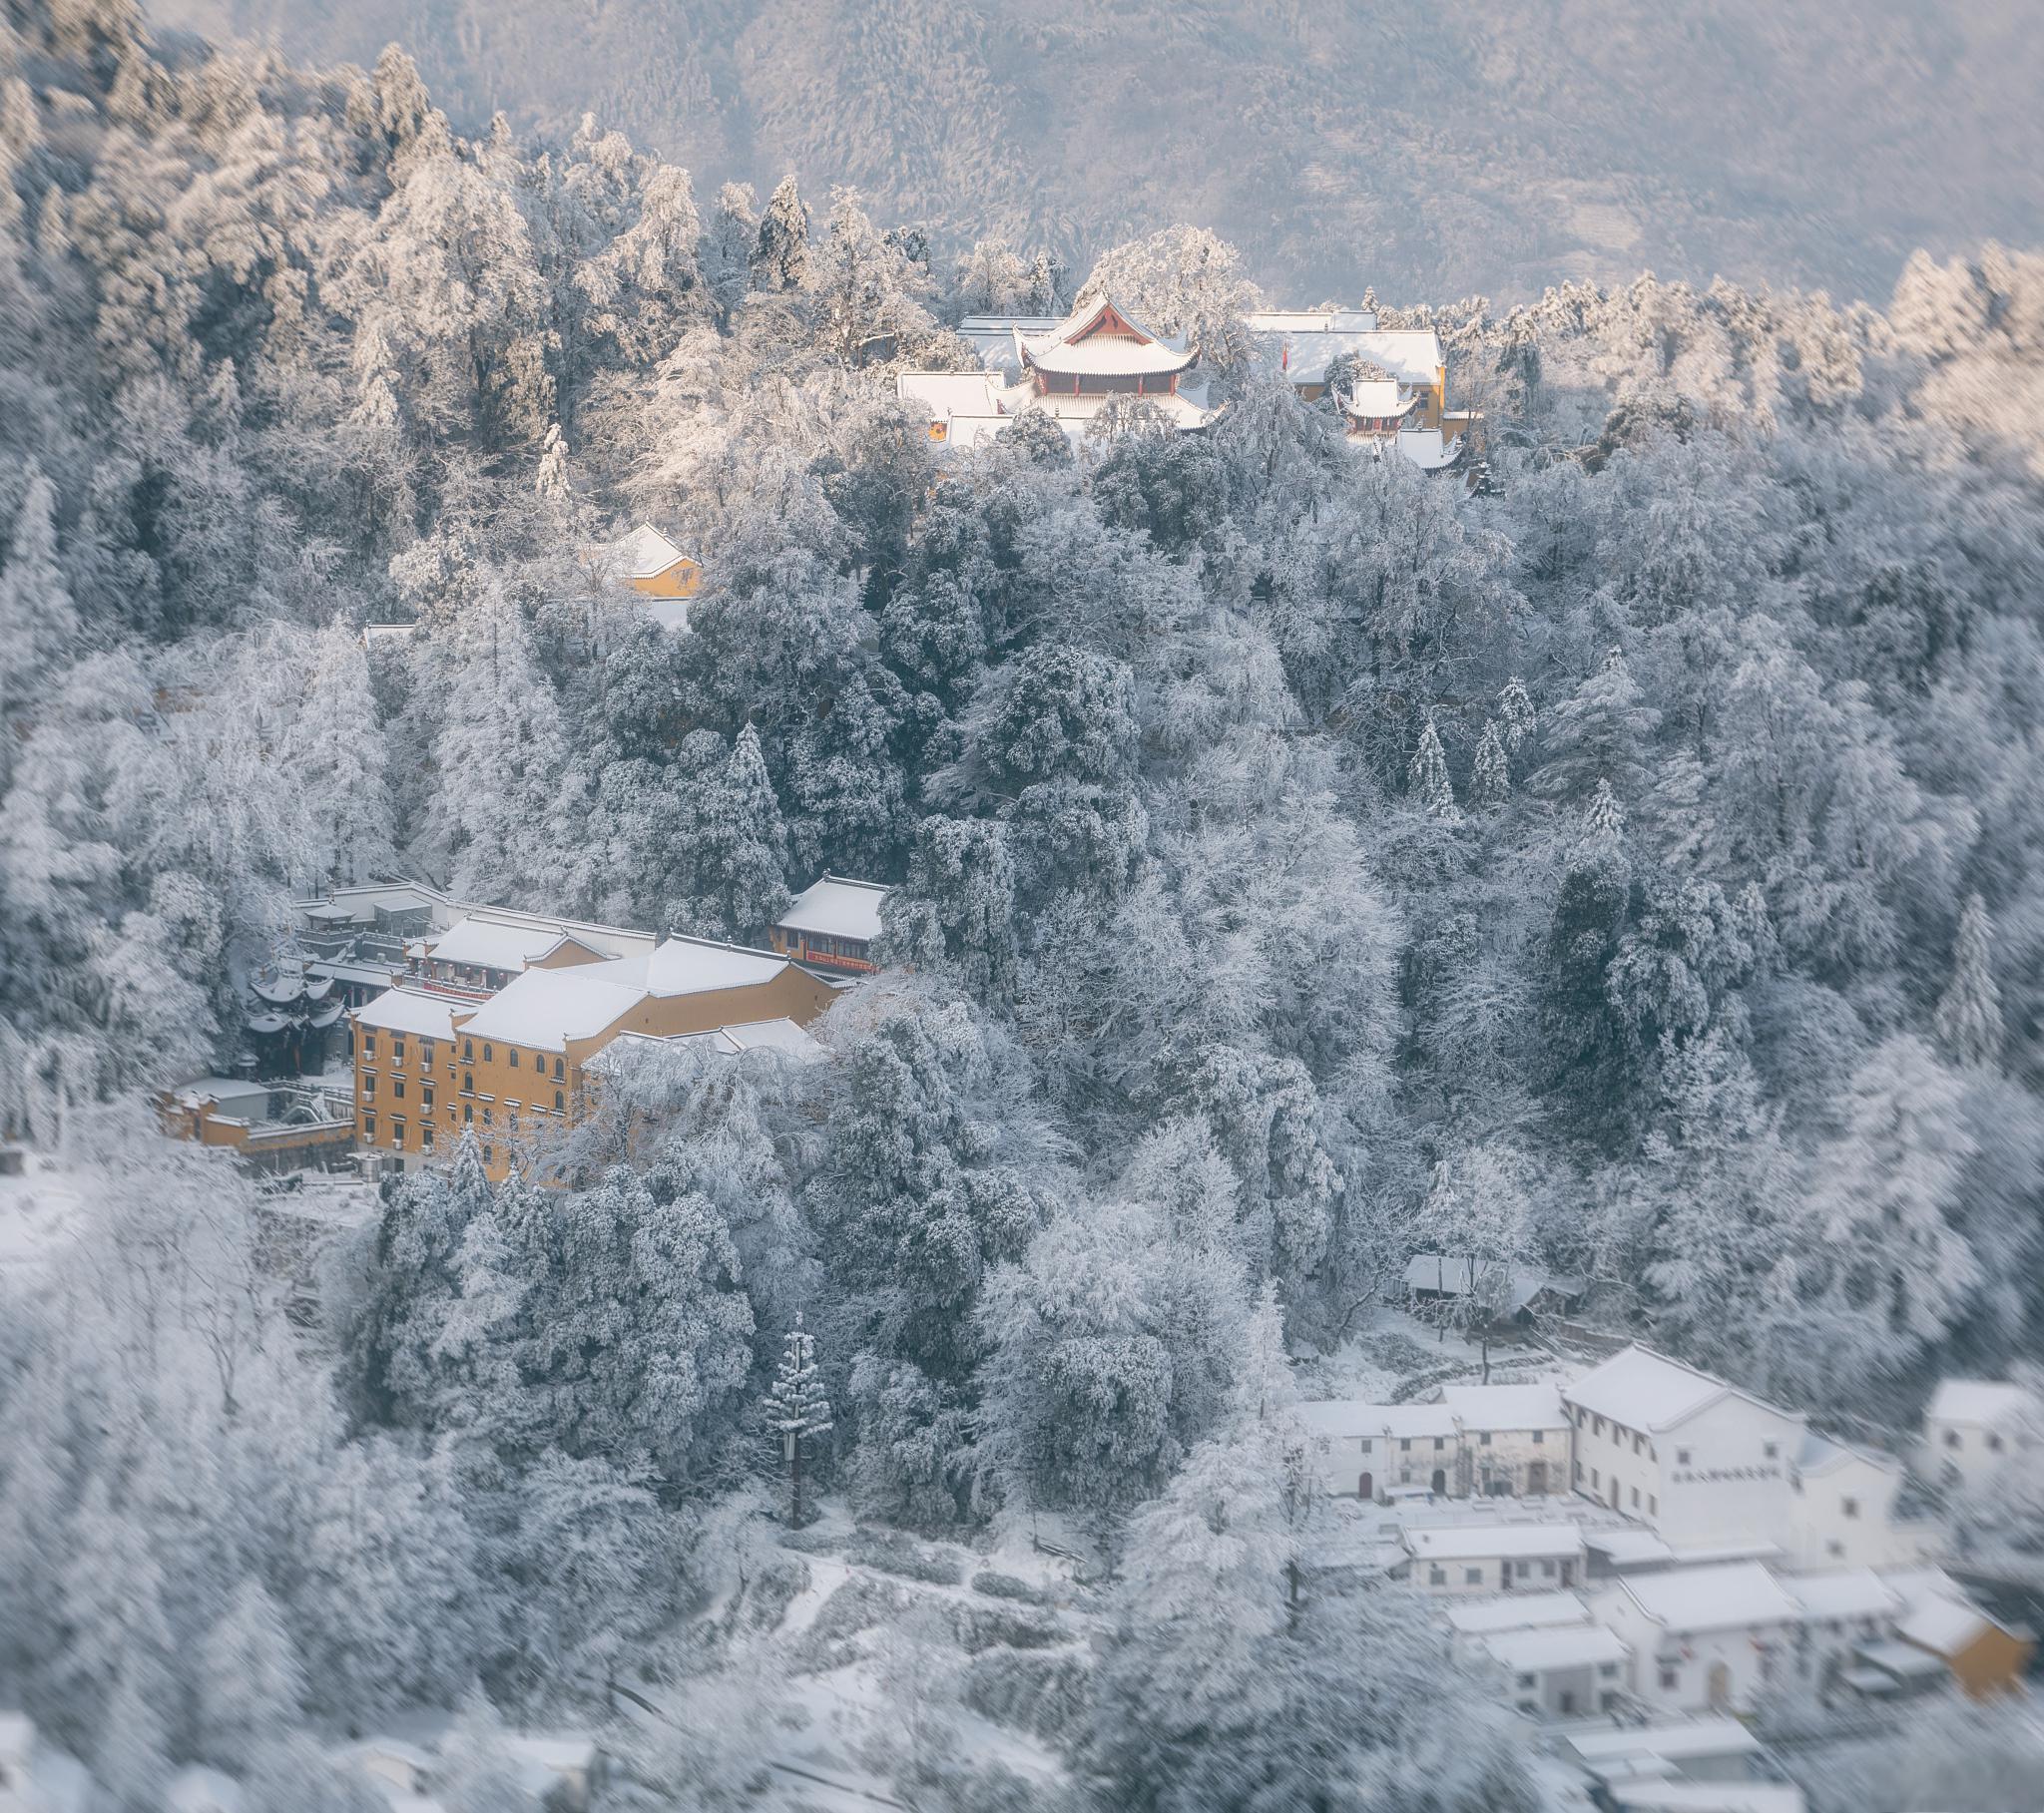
<point x="1536" y="1479"/>
<point x="1441" y="1483"/>
<point x="1366" y="1488"/>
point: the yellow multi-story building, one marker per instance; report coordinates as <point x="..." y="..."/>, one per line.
<point x="436" y="1057"/>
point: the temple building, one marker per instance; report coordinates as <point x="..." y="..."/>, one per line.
<point x="1069" y="370"/>
<point x="1391" y="384"/>
<point x="434" y="1059"/>
<point x="831" y="925"/>
<point x="652" y="566"/>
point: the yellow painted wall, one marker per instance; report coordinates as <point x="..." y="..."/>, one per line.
<point x="504" y="1092"/>
<point x="682" y="580"/>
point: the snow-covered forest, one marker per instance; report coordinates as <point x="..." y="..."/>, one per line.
<point x="1633" y="868"/>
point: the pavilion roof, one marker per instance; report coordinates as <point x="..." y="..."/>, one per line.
<point x="1100" y="340"/>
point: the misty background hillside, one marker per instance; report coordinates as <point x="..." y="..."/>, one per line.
<point x="1429" y="147"/>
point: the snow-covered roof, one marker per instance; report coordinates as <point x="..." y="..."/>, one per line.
<point x="1821" y="1454"/>
<point x="1723" y="1598"/>
<point x="781" y="1035"/>
<point x="222" y="1090"/>
<point x="495" y="944"/>
<point x="202" y="1790"/>
<point x="1640" y="1389"/>
<point x="403" y="1010"/>
<point x="1479" y="1542"/>
<point x="1448" y="1275"/>
<point x="1943" y="1627"/>
<point x="837" y="907"/>
<point x="1677" y="1742"/>
<point x="949" y="393"/>
<point x="1356" y="1417"/>
<point x="1427" y="449"/>
<point x="1099" y="339"/>
<point x="1903" y="1660"/>
<point x="1707" y="1797"/>
<point x="544" y="1009"/>
<point x="1980" y="1403"/>
<point x="695" y="966"/>
<point x="1517" y="1612"/>
<point x="1311" y="321"/>
<point x="1411" y="355"/>
<point x="1570" y="1646"/>
<point x="643" y="553"/>
<point x="1506" y="1407"/>
<point x="1374" y="398"/>
<point x="1856" y="1593"/>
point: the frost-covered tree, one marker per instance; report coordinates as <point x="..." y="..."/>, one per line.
<point x="1968" y="1017"/>
<point x="338" y="760"/>
<point x="38" y="622"/>
<point x="735" y="850"/>
<point x="1427" y="777"/>
<point x="798" y="1408"/>
<point x="252" y="1690"/>
<point x="1477" y="1218"/>
<point x="781" y="253"/>
<point x="1490" y="776"/>
<point x="1884" y="1202"/>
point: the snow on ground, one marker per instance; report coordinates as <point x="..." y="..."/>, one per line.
<point x="38" y="1212"/>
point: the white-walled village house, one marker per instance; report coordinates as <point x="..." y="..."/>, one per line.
<point x="1972" y="1427"/>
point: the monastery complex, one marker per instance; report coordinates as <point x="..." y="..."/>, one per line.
<point x="1389" y="385"/>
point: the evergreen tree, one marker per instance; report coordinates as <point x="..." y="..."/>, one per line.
<point x="252" y="1690"/>
<point x="1427" y="777"/>
<point x="736" y="850"/>
<point x="797" y="1408"/>
<point x="1490" y="777"/>
<point x="37" y="622"/>
<point x="1883" y="1213"/>
<point x="781" y="256"/>
<point x="1968" y="1017"/>
<point x="338" y="759"/>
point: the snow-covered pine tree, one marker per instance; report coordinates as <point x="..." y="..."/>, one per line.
<point x="1428" y="777"/>
<point x="1604" y="820"/>
<point x="1515" y="712"/>
<point x="781" y="259"/>
<point x="738" y="845"/>
<point x="337" y="760"/>
<point x="1968" y="1019"/>
<point x="1490" y="777"/>
<point x="38" y="622"/>
<point x="798" y="1408"/>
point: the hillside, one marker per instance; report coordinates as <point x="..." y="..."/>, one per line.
<point x="1431" y="148"/>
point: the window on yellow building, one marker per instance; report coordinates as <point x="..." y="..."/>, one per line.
<point x="369" y="1085"/>
<point x="560" y="1102"/>
<point x="369" y="1046"/>
<point x="488" y="1055"/>
<point x="369" y="1129"/>
<point x="514" y="1056"/>
<point x="469" y="1082"/>
<point x="425" y="1136"/>
<point x="398" y="1134"/>
<point x="469" y="1051"/>
<point x="426" y="1053"/>
<point x="426" y="1097"/>
<point x="558" y="1072"/>
<point x="397" y="1050"/>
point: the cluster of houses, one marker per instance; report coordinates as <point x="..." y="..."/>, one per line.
<point x="457" y="1016"/>
<point x="1389" y="385"/>
<point x="1644" y="1541"/>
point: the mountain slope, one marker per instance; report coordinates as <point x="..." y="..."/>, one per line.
<point x="1426" y="145"/>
